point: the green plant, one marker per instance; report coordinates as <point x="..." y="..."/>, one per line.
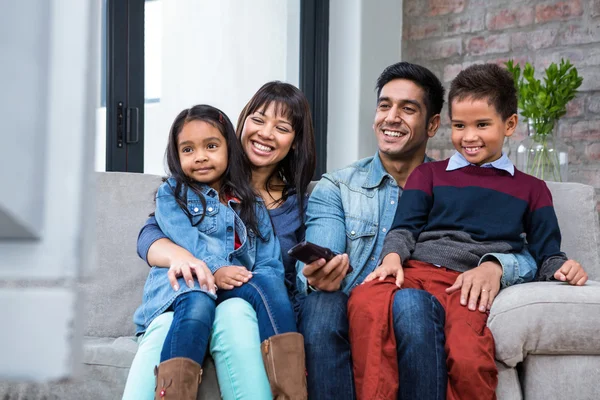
<point x="543" y="104"/>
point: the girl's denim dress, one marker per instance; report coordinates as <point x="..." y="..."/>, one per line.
<point x="212" y="241"/>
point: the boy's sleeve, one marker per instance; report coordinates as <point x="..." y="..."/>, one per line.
<point x="516" y="267"/>
<point x="543" y="234"/>
<point x="325" y="222"/>
<point x="412" y="214"/>
<point x="149" y="234"/>
<point x="176" y="225"/>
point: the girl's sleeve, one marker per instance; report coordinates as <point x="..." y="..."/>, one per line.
<point x="176" y="225"/>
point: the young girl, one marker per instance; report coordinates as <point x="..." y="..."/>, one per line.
<point x="208" y="207"/>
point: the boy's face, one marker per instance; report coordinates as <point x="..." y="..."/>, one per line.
<point x="478" y="131"/>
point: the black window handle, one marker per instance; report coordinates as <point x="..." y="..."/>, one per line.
<point x="133" y="119"/>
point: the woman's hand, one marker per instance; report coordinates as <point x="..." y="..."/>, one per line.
<point x="232" y="276"/>
<point x="188" y="268"/>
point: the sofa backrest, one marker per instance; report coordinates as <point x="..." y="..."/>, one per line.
<point x="575" y="206"/>
<point x="114" y="290"/>
<point x="124" y="200"/>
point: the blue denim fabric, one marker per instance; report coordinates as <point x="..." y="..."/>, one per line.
<point x="323" y="321"/>
<point x="516" y="267"/>
<point x="194" y="313"/>
<point x="211" y="240"/>
<point x="268" y="296"/>
<point x="351" y="210"/>
<point x="419" y="328"/>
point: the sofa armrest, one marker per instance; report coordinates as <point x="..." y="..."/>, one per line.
<point x="545" y="318"/>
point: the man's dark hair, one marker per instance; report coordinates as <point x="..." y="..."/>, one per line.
<point x="434" y="90"/>
<point x="485" y="81"/>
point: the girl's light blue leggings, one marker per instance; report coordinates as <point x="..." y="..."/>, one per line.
<point x="234" y="346"/>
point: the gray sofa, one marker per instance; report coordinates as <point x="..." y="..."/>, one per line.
<point x="547" y="334"/>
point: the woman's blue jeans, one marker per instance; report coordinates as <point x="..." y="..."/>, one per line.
<point x="419" y="329"/>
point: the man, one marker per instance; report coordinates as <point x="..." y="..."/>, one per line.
<point x="350" y="212"/>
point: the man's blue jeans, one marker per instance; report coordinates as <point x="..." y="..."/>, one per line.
<point x="419" y="327"/>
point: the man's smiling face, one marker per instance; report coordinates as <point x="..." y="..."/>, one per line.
<point x="401" y="119"/>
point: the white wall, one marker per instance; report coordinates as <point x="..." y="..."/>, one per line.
<point x="41" y="317"/>
<point x="219" y="53"/>
<point x="364" y="38"/>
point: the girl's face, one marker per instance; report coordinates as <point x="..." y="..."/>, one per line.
<point x="202" y="152"/>
<point x="267" y="137"/>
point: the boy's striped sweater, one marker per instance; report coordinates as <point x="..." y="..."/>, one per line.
<point x="453" y="218"/>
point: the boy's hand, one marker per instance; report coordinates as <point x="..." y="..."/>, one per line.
<point x="390" y="266"/>
<point x="571" y="272"/>
<point x="327" y="276"/>
<point x="187" y="268"/>
<point x="481" y="283"/>
<point x="232" y="276"/>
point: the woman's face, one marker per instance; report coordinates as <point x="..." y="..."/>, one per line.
<point x="267" y="137"/>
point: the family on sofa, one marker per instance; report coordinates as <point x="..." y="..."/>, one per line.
<point x="428" y="242"/>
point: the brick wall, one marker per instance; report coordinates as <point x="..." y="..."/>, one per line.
<point x="449" y="35"/>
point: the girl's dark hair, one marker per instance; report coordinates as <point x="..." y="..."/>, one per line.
<point x="298" y="167"/>
<point x="236" y="179"/>
<point x="488" y="82"/>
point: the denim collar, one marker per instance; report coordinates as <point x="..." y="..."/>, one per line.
<point x="458" y="161"/>
<point x="377" y="172"/>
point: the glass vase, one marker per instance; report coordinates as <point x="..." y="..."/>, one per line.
<point x="544" y="156"/>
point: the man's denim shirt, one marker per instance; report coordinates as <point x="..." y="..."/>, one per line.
<point x="213" y="240"/>
<point x="350" y="211"/>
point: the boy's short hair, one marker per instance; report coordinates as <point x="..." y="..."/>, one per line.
<point x="486" y="81"/>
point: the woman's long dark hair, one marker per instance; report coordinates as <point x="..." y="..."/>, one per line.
<point x="236" y="179"/>
<point x="298" y="167"/>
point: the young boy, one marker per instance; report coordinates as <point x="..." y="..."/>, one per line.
<point x="452" y="213"/>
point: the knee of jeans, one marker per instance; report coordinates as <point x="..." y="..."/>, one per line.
<point x="323" y="314"/>
<point x="413" y="308"/>
<point x="198" y="306"/>
<point x="268" y="280"/>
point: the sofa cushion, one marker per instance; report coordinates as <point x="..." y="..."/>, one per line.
<point x="561" y="377"/>
<point x="575" y="206"/>
<point x="545" y="318"/>
<point x="509" y="387"/>
<point x="113" y="290"/>
<point x="101" y="376"/>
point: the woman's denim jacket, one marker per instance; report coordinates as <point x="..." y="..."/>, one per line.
<point x="210" y="239"/>
<point x="350" y="211"/>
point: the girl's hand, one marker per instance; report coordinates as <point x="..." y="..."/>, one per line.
<point x="571" y="272"/>
<point x="188" y="268"/>
<point x="233" y="276"/>
<point x="390" y="266"/>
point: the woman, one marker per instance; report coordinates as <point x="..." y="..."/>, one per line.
<point x="275" y="130"/>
